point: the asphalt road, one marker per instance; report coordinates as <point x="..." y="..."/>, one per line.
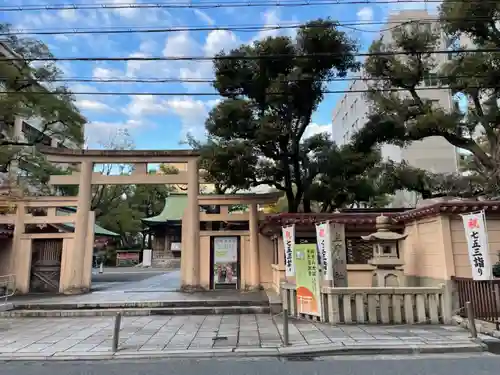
<point x="125" y="274"/>
<point x="120" y="279"/>
<point x="480" y="364"/>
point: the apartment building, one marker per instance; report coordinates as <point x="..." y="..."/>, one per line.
<point x="31" y="128"/>
<point x="434" y="154"/>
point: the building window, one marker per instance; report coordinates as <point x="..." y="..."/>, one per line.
<point x="33" y="135"/>
<point x="431" y="80"/>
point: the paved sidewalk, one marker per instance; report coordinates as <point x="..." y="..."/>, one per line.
<point x="168" y="335"/>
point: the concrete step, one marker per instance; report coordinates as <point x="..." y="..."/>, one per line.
<point x="194" y="304"/>
<point x="205" y="310"/>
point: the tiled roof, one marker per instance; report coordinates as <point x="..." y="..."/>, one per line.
<point x="367" y="217"/>
<point x="173" y="210"/>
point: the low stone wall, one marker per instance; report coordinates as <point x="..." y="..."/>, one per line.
<point x="383" y="305"/>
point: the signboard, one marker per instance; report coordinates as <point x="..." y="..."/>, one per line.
<point x="339" y="254"/>
<point x="225" y="266"/>
<point x="307" y="279"/>
<point x="477" y="245"/>
<point x="127" y="259"/>
<point x="324" y="250"/>
<point x="147" y="257"/>
<point x="288" y="234"/>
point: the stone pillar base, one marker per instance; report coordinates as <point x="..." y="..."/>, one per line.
<point x="192" y="288"/>
<point x="75" y="291"/>
<point x="252" y="288"/>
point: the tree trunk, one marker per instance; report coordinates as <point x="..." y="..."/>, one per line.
<point x="293" y="205"/>
<point x="307" y="204"/>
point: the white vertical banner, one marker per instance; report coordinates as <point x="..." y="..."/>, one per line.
<point x="288" y="234"/>
<point x="324" y="243"/>
<point x="477" y="245"/>
<point x="339" y="254"/>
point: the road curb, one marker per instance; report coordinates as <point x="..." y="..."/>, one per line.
<point x="310" y="351"/>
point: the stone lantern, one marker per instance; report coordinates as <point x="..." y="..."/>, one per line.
<point x="389" y="266"/>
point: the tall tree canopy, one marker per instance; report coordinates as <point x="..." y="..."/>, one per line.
<point x="271" y="89"/>
<point x="408" y="115"/>
<point x="31" y="91"/>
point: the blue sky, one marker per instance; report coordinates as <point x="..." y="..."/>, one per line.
<point x="161" y="122"/>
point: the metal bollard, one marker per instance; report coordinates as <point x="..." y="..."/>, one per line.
<point x="116" y="332"/>
<point x="286" y="340"/>
<point x="472" y="319"/>
<point x="101" y="268"/>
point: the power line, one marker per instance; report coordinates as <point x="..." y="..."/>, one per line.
<point x="212" y="80"/>
<point x="237" y="57"/>
<point x="237" y="28"/>
<point x="136" y="93"/>
<point x="211" y="4"/>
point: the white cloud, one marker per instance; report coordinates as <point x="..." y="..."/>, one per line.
<point x="218" y="40"/>
<point x="129" y="13"/>
<point x="204" y="17"/>
<point x="97" y="132"/>
<point x="61" y="38"/>
<point x="144" y="105"/>
<point x="143" y="68"/>
<point x="69" y="15"/>
<point x="314" y="128"/>
<point x="93" y="105"/>
<point x="104" y="73"/>
<point x="270" y="18"/>
<point x="148" y="46"/>
<point x="192" y="113"/>
<point x="365" y="14"/>
<point x="179" y="45"/>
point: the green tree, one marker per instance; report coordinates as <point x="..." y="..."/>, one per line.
<point x="221" y="160"/>
<point x="32" y="91"/>
<point x="271" y="89"/>
<point x="407" y="115"/>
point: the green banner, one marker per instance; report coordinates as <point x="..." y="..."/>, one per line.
<point x="307" y="279"/>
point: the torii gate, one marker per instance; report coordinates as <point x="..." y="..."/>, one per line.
<point x="86" y="177"/>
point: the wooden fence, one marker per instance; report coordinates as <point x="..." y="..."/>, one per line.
<point x="484" y="297"/>
<point x="384" y="305"/>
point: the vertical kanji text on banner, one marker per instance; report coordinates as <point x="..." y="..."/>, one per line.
<point x="477" y="245"/>
<point x="288" y="234"/>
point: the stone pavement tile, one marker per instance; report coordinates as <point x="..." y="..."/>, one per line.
<point x="205" y="334"/>
<point x="244" y="341"/>
<point x="176" y="347"/>
<point x="152" y="348"/>
<point x="201" y="344"/>
<point x="102" y="348"/>
<point x="378" y="343"/>
<point x="384" y="337"/>
<point x="65" y="344"/>
<point x="318" y="341"/>
<point x="6" y="341"/>
<point x="81" y="348"/>
<point x="50" y="340"/>
<point x="224" y="343"/>
<point x="93" y="340"/>
<point x="34" y="348"/>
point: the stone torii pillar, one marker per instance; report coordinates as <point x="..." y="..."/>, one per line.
<point x="73" y="281"/>
<point x="190" y="254"/>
